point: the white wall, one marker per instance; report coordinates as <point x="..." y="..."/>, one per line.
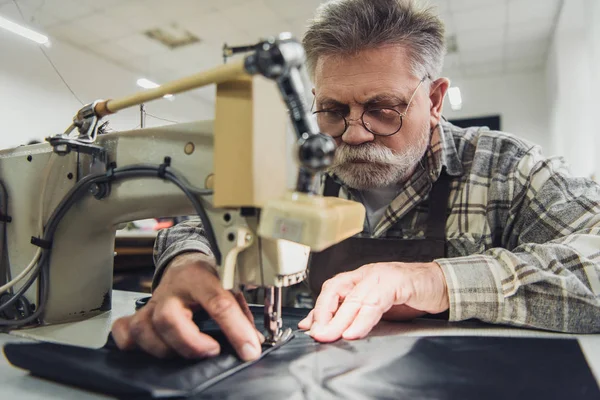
<point x="519" y="99"/>
<point x="573" y="72"/>
<point x="34" y="103"/>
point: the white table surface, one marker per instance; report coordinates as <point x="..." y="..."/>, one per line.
<point x="18" y="384"/>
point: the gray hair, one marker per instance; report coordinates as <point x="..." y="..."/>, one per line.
<point x="345" y="27"/>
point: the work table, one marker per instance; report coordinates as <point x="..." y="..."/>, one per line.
<point x="16" y="383"/>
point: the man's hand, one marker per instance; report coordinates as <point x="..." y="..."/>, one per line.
<point x="352" y="303"/>
<point x="164" y="326"/>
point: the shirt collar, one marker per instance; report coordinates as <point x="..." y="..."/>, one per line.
<point x="442" y="153"/>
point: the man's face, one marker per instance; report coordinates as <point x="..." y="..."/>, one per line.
<point x="373" y="79"/>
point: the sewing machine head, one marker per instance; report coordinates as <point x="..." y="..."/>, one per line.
<point x="231" y="173"/>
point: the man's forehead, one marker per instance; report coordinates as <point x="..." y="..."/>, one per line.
<point x="360" y="77"/>
<point x="374" y="95"/>
<point x="390" y="60"/>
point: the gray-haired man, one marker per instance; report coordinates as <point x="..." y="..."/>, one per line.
<point x="471" y="222"/>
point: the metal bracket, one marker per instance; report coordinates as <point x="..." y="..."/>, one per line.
<point x="63" y="144"/>
<point x="86" y="121"/>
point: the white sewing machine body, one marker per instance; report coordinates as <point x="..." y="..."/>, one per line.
<point x="263" y="232"/>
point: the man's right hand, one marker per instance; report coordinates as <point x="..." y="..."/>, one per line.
<point x="164" y="325"/>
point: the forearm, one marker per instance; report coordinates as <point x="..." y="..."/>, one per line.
<point x="552" y="286"/>
<point x="185" y="237"/>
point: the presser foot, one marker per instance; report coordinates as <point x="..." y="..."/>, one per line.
<point x="280" y="337"/>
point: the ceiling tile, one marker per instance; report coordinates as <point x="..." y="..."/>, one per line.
<point x="470" y="5"/>
<point x="269" y="29"/>
<point x="140" y="45"/>
<point x="101" y="5"/>
<point x="31" y="11"/>
<point x="139" y="64"/>
<point x="210" y="28"/>
<point x="527" y="49"/>
<point x="526" y="10"/>
<point x="483" y="55"/>
<point x="44" y="20"/>
<point x="65" y="9"/>
<point x="136" y="14"/>
<point x="481" y="18"/>
<point x="112" y="51"/>
<point x="194" y="58"/>
<point x="11" y="12"/>
<point x="533" y="30"/>
<point x="298" y="28"/>
<point x="74" y="34"/>
<point x="476" y="39"/>
<point x="225" y="4"/>
<point x="250" y="15"/>
<point x="175" y="9"/>
<point x="292" y="9"/>
<point x="104" y="26"/>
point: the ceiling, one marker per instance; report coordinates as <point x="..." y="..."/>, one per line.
<point x="492" y="36"/>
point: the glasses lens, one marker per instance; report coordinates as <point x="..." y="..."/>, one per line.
<point x="331" y="123"/>
<point x="384" y="121"/>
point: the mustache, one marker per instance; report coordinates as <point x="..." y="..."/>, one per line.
<point x="366" y="152"/>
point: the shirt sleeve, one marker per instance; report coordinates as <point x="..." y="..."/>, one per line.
<point x="185" y="237"/>
<point x="547" y="273"/>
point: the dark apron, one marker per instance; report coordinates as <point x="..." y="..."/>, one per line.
<point x="355" y="252"/>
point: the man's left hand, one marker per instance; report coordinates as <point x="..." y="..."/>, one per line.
<point x="352" y="303"/>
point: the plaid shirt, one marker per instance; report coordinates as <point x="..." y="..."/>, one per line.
<point x="523" y="234"/>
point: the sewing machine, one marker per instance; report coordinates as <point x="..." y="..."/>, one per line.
<point x="61" y="201"/>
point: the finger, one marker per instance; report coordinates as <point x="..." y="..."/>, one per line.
<point x="366" y="295"/>
<point x="307" y="322"/>
<point x="173" y="322"/>
<point x="120" y="333"/>
<point x="144" y="335"/>
<point x="333" y="330"/>
<point x="374" y="304"/>
<point x="239" y="296"/>
<point x="333" y="292"/>
<point x="364" y="322"/>
<point x="222" y="306"/>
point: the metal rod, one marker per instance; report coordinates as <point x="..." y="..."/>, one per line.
<point x="142" y="116"/>
<point x="218" y="74"/>
<point x="273" y="320"/>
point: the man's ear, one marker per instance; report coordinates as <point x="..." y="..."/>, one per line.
<point x="436" y="96"/>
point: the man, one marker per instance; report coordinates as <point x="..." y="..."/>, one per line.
<point x="486" y="227"/>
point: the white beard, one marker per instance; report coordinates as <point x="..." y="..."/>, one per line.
<point x="379" y="166"/>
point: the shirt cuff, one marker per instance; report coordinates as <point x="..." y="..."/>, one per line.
<point x="175" y="249"/>
<point x="474" y="289"/>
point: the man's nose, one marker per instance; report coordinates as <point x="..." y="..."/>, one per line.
<point x="356" y="133"/>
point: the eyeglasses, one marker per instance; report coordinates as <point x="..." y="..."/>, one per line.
<point x="379" y="121"/>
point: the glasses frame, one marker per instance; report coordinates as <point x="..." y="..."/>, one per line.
<point x="361" y="118"/>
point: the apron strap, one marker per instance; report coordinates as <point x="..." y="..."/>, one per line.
<point x="332" y="188"/>
<point x="438" y="205"/>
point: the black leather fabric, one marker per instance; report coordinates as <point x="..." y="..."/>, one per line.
<point x="444" y="368"/>
<point x="379" y="367"/>
<point x="134" y="374"/>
